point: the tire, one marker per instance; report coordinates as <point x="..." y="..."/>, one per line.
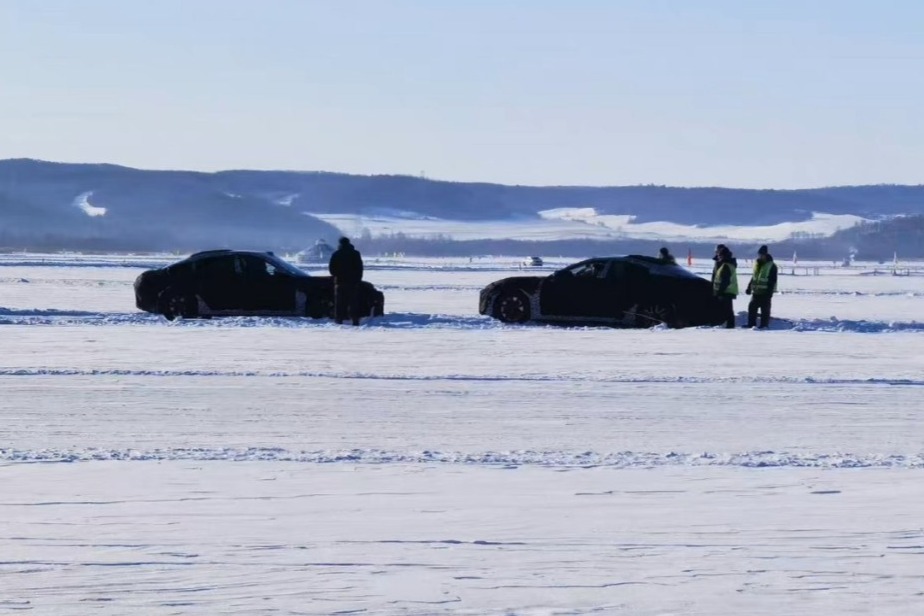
<point x="324" y="307"/>
<point x="655" y="314"/>
<point x="512" y="307"/>
<point x="378" y="307"/>
<point x="174" y="304"/>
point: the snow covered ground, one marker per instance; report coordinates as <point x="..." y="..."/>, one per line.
<point x="435" y="461"/>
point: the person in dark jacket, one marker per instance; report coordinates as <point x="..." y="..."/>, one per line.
<point x="665" y="256"/>
<point x="761" y="288"/>
<point x="346" y="267"/>
<point x="725" y="282"/>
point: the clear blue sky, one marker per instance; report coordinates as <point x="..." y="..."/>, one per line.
<point x="775" y="94"/>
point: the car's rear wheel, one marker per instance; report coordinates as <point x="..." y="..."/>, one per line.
<point x="655" y="314"/>
<point x="512" y="307"/>
<point x="174" y="304"/>
<point x="378" y="306"/>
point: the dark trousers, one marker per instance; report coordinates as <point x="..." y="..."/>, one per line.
<point x="346" y="301"/>
<point x="727" y="309"/>
<point x="761" y="303"/>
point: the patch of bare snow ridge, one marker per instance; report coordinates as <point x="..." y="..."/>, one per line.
<point x="83" y="202"/>
<point x="819" y="224"/>
<point x="577" y="223"/>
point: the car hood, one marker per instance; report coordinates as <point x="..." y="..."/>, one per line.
<point x="525" y="283"/>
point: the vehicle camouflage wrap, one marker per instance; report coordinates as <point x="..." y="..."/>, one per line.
<point x="242" y="283"/>
<point x="626" y="291"/>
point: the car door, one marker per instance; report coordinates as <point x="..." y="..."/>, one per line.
<point x="575" y="291"/>
<point x="266" y="289"/>
<point x="216" y="282"/>
<point x="609" y="297"/>
<point x="635" y="288"/>
<point x="618" y="297"/>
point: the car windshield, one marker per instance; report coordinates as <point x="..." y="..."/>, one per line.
<point x="285" y="266"/>
<point x="587" y="269"/>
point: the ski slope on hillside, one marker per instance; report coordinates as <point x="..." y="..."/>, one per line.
<point x="579" y="223"/>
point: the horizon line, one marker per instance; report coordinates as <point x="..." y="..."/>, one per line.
<point x="425" y="178"/>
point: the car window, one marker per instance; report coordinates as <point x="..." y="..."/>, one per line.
<point x="254" y="267"/>
<point x="285" y="267"/>
<point x="626" y="273"/>
<point x="215" y="267"/>
<point x="589" y="269"/>
<point x="617" y="270"/>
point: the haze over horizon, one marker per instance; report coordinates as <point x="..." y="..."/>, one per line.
<point x="589" y="93"/>
<point x="452" y="181"/>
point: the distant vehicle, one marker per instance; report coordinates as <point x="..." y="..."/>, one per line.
<point x="627" y="291"/>
<point x="242" y="283"/>
<point x="532" y="262"/>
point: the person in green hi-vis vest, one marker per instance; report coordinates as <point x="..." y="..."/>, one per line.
<point x="725" y="282"/>
<point x="761" y="288"/>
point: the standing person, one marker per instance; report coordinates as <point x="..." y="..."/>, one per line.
<point x="715" y="266"/>
<point x="725" y="282"/>
<point x="346" y="266"/>
<point x="761" y="288"/>
<point x="665" y="256"/>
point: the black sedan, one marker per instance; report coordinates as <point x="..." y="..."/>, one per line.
<point x="629" y="291"/>
<point x="242" y="283"/>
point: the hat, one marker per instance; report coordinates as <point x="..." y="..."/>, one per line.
<point x="762" y="250"/>
<point x="344" y="241"/>
<point x="720" y="247"/>
<point x="664" y="251"/>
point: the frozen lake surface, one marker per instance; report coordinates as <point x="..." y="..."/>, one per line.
<point x="436" y="461"/>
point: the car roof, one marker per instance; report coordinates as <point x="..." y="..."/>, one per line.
<point x="653" y="264"/>
<point x="268" y="255"/>
<point x="204" y="254"/>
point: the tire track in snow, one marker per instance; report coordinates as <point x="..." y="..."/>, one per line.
<point x="53" y="317"/>
<point x="404" y="321"/>
<point x="529" y="378"/>
<point x="503" y="459"/>
<point x="842" y="293"/>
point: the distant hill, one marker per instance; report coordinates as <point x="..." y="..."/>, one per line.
<point x="58" y="205"/>
<point x="129" y="209"/>
<point x="338" y="193"/>
<point x="881" y="240"/>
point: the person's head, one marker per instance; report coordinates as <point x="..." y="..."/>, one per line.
<point x="762" y="252"/>
<point x="344" y="242"/>
<point x="664" y="252"/>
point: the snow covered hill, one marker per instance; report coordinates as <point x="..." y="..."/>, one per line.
<point x="56" y="205"/>
<point x="585" y="223"/>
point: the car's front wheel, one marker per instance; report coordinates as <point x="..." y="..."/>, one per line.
<point x="174" y="304"/>
<point x="320" y="307"/>
<point x="512" y="307"/>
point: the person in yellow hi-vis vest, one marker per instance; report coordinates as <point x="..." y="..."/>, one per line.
<point x="725" y="282"/>
<point x="761" y="288"/>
